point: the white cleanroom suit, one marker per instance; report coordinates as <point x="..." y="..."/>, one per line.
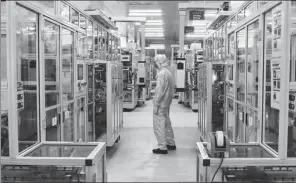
<point x="164" y="93"/>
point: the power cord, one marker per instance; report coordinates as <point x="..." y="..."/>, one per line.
<point x="218" y="169"/>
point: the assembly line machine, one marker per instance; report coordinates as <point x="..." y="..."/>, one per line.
<point x="258" y="138"/>
<point x="61" y="101"/>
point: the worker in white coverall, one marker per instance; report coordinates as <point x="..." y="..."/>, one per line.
<point x="164" y="93"/>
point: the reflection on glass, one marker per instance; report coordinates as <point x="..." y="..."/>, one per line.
<point x="62" y="151"/>
<point x="233" y="22"/>
<point x="4" y="86"/>
<point x="90" y="39"/>
<point x="53" y="124"/>
<point x="104" y="45"/>
<point x="81" y="115"/>
<point x="27" y="91"/>
<point x="100" y="49"/>
<point x="65" y="11"/>
<point x="248" y="10"/>
<point x="248" y="152"/>
<point x="251" y="125"/>
<point x="253" y="64"/>
<point x="230" y="119"/>
<point x="82" y="23"/>
<point x="90" y="84"/>
<point x="231" y="61"/>
<point x="74" y="17"/>
<point x="67" y="65"/>
<point x="240" y="65"/>
<point x="271" y="114"/>
<point x="81" y="45"/>
<point x="240" y="123"/>
<point x="96" y="41"/>
<point x="240" y="16"/>
<point x="68" y="122"/>
<point x="90" y="123"/>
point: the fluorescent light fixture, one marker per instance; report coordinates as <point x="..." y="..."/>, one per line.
<point x="157" y="46"/>
<point x="148" y="31"/>
<point x="145" y="11"/>
<point x="154" y="21"/>
<point x="137" y="23"/>
<point x="195" y="35"/>
<point x="144" y="14"/>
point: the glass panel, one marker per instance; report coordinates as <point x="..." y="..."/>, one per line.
<point x="240" y="123"/>
<point x="100" y="100"/>
<point x="230" y="119"/>
<point x="52" y="85"/>
<point x="100" y="169"/>
<point x="67" y="65"/>
<point x="82" y="45"/>
<point x="253" y="64"/>
<point x="291" y="151"/>
<point x="240" y="65"/>
<point x="27" y="91"/>
<point x="248" y="152"/>
<point x="249" y="10"/>
<point x="240" y="16"/>
<point x="53" y="124"/>
<point x="47" y="5"/>
<point x="233" y="22"/>
<point x="217" y="97"/>
<point x="4" y="84"/>
<point x="68" y="122"/>
<point x="104" y="47"/>
<point x="90" y="39"/>
<point x="251" y="125"/>
<point x="96" y="41"/>
<point x="231" y="61"/>
<point x="100" y="51"/>
<point x="75" y="17"/>
<point x="90" y="124"/>
<point x="62" y="151"/>
<point x="65" y="11"/>
<point x="81" y="115"/>
<point x="271" y="115"/>
<point x="82" y="20"/>
<point x="90" y="84"/>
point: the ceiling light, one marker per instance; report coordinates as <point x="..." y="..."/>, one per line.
<point x="154" y="23"/>
<point x="153" y="30"/>
<point x="145" y="11"/>
<point x="137" y="23"/>
<point x="145" y="14"/>
<point x="150" y="28"/>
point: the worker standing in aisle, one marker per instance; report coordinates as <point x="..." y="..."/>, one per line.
<point x="164" y="93"/>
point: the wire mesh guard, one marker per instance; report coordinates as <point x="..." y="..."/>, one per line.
<point x="259" y="174"/>
<point x="13" y="173"/>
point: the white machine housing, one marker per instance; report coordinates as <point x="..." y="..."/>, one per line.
<point x="180" y="78"/>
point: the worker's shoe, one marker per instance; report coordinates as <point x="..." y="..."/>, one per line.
<point x="171" y="147"/>
<point x="159" y="151"/>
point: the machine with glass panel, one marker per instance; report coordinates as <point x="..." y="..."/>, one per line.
<point x="108" y="101"/>
<point x="260" y="115"/>
<point x="48" y="94"/>
<point x="130" y="88"/>
<point x="193" y="60"/>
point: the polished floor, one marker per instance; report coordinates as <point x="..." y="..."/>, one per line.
<point x="132" y="160"/>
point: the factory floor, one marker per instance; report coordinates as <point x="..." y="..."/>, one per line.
<point x="132" y="160"/>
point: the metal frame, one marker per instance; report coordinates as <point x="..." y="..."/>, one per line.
<point x="278" y="158"/>
<point x="42" y="14"/>
<point x="98" y="152"/>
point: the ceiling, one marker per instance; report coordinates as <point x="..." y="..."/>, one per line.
<point x="170" y="17"/>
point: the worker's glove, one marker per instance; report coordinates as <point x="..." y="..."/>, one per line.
<point x="155" y="109"/>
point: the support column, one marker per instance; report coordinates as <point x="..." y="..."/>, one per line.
<point x="182" y="14"/>
<point x="138" y="38"/>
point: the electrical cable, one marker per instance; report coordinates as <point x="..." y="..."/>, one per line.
<point x="218" y="169"/>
